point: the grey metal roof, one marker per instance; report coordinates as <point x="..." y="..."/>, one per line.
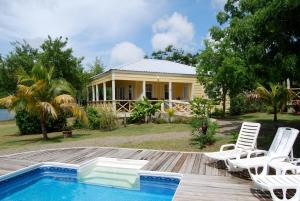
<point x="157" y="66"/>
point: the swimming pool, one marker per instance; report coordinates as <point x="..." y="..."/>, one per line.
<point x="53" y="183"/>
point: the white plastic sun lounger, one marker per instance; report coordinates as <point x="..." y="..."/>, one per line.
<point x="245" y="142"/>
<point x="279" y="150"/>
<point x="281" y="182"/>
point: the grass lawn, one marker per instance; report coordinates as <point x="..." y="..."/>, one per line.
<point x="185" y="144"/>
<point x="127" y="137"/>
<point x="9" y="137"/>
<point x="268" y="117"/>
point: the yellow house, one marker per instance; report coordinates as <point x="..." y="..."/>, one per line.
<point x="171" y="83"/>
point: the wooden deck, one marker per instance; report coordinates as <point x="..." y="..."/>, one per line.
<point x="201" y="179"/>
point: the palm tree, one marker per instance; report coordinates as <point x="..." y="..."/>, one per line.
<point x="41" y="95"/>
<point x="276" y="96"/>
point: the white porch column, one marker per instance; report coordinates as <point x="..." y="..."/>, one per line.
<point x="97" y="93"/>
<point x="104" y="91"/>
<point x="113" y="91"/>
<point x="93" y="90"/>
<point x="170" y="94"/>
<point x="144" y="89"/>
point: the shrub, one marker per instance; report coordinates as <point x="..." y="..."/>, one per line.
<point x="170" y="112"/>
<point x="201" y="107"/>
<point x="78" y="124"/>
<point x="205" y="139"/>
<point x="56" y="125"/>
<point x="93" y="117"/>
<point x="30" y="124"/>
<point x="107" y="118"/>
<point x="144" y="110"/>
<point x="27" y="124"/>
<point x="240" y="105"/>
<point x="237" y="105"/>
<point x="234" y="136"/>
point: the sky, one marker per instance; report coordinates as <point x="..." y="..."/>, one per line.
<point x="116" y="31"/>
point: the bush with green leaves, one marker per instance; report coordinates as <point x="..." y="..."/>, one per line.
<point x="107" y="117"/>
<point x="234" y="136"/>
<point x="78" y="124"/>
<point x="143" y="110"/>
<point x="27" y="124"/>
<point x="30" y="124"/>
<point x="240" y="105"/>
<point x="93" y="117"/>
<point x="202" y="139"/>
<point x="201" y="107"/>
<point x="170" y="112"/>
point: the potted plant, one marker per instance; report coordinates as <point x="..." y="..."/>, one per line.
<point x="67" y="131"/>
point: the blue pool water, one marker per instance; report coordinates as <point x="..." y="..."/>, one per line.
<point x="60" y="184"/>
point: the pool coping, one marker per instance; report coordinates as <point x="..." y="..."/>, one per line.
<point x="73" y="166"/>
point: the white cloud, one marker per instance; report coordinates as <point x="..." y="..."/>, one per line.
<point x="125" y="52"/>
<point x="218" y="4"/>
<point x="175" y="30"/>
<point x="87" y="23"/>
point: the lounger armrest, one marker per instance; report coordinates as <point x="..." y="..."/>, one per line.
<point x="227" y="146"/>
<point x="256" y="153"/>
<point x="284" y="158"/>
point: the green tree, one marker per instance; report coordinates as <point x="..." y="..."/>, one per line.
<point x="96" y="68"/>
<point x="275" y="95"/>
<point x="221" y="70"/>
<point x="41" y="95"/>
<point x="267" y="33"/>
<point x="55" y="53"/>
<point x="173" y="54"/>
<point x="23" y="56"/>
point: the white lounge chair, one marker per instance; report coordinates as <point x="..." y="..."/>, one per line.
<point x="281" y="182"/>
<point x="280" y="148"/>
<point x="245" y="142"/>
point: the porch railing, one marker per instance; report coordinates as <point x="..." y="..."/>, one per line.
<point x="180" y="107"/>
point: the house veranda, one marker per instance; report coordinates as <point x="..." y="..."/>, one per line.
<point x="173" y="84"/>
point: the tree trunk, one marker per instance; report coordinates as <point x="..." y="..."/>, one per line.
<point x="224" y="104"/>
<point x="44" y="130"/>
<point x="275" y="113"/>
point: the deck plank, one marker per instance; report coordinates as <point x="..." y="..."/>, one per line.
<point x="201" y="180"/>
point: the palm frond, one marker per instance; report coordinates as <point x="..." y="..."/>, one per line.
<point x="23" y="77"/>
<point x="23" y="89"/>
<point x="7" y="101"/>
<point x="61" y="86"/>
<point x="47" y="108"/>
<point x="64" y="98"/>
<point x="76" y="111"/>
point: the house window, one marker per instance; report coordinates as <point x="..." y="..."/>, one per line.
<point x="130" y="92"/>
<point x="149" y="91"/>
<point x="166" y="89"/>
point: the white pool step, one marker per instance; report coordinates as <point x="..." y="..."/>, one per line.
<point x="123" y="173"/>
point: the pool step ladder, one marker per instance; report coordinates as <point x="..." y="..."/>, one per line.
<point x="121" y="173"/>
